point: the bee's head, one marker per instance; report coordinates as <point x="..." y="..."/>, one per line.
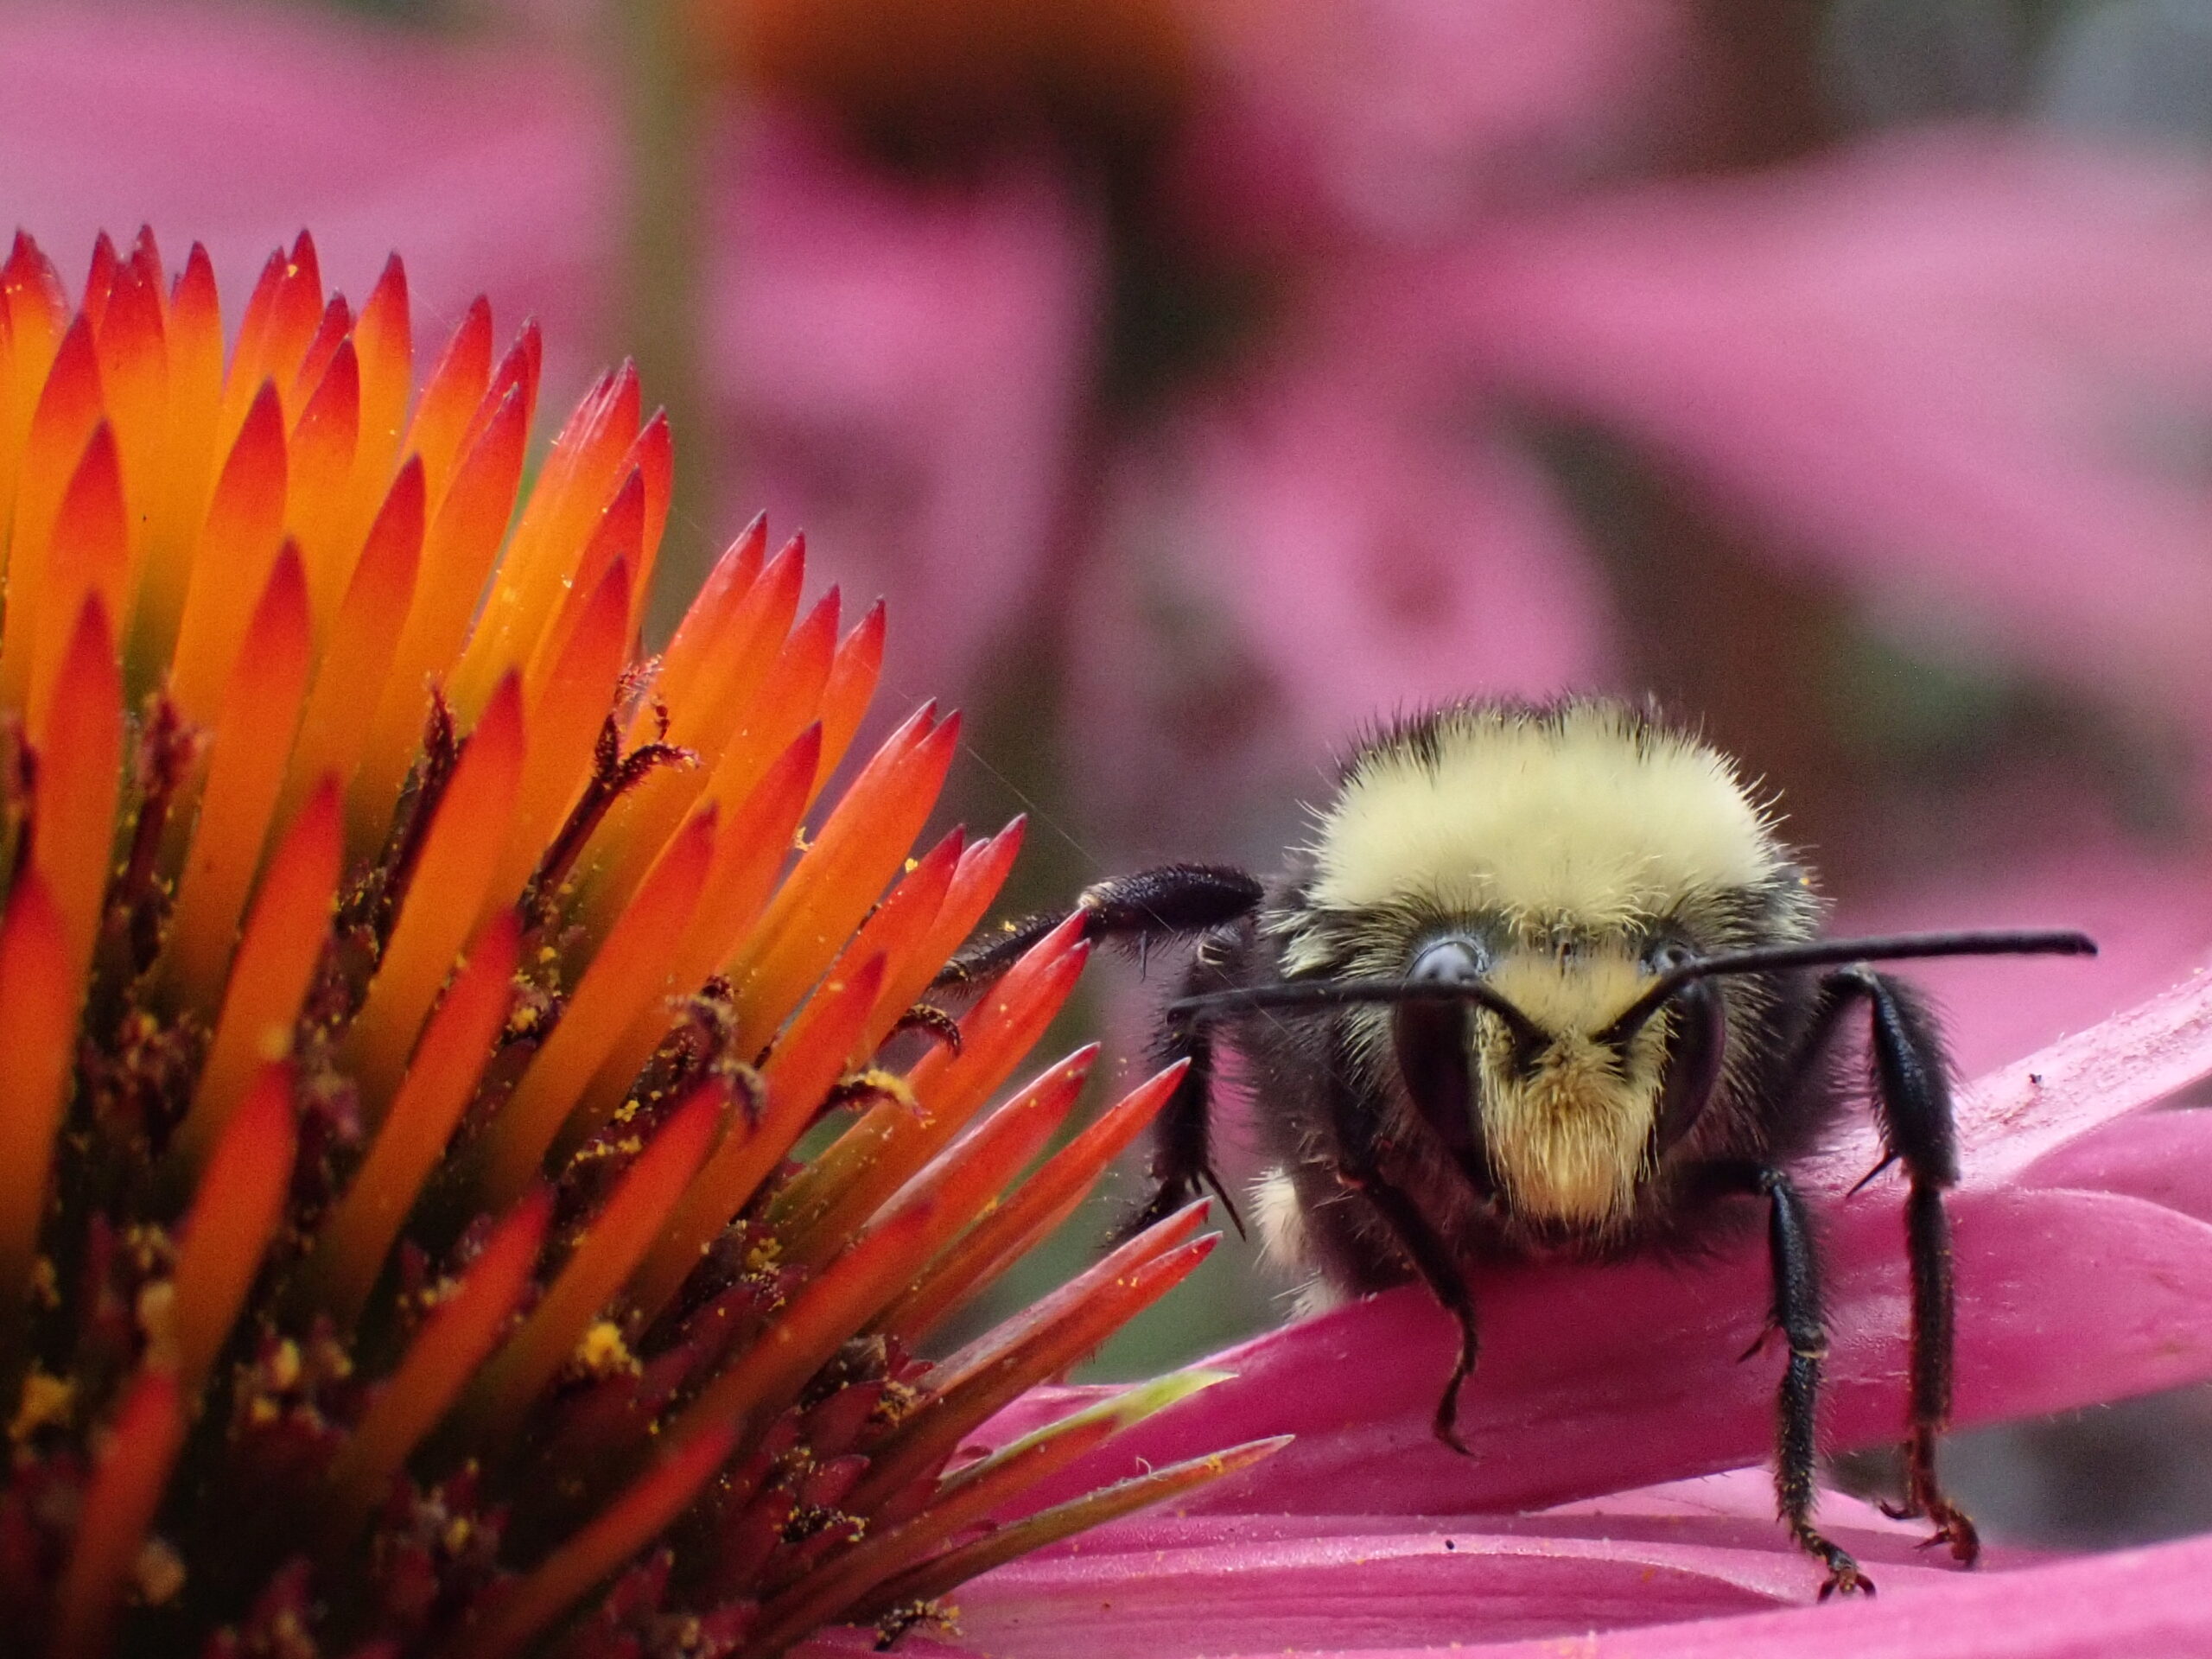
<point x="1562" y="857"/>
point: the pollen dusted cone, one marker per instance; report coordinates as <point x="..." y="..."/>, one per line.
<point x="410" y="1006"/>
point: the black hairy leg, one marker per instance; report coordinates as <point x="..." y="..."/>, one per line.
<point x="1912" y="1094"/>
<point x="1797" y="1314"/>
<point x="1175" y="901"/>
<point x="1360" y="1167"/>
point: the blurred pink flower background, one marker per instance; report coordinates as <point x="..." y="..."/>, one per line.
<point x="1373" y="352"/>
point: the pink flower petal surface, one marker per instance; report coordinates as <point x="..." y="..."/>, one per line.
<point x="1179" y="1585"/>
<point x="1596" y="1378"/>
<point x="1311" y="1591"/>
<point x="1955" y="366"/>
<point x="1293" y="562"/>
<point x="2151" y="916"/>
<point x="234" y="125"/>
<point x="2158" y="1156"/>
<point x="2135" y="1601"/>
<point x="1286" y="562"/>
<point x="1696" y="1549"/>
<point x="907" y="366"/>
<point x="1399" y="118"/>
<point x="1374" y="561"/>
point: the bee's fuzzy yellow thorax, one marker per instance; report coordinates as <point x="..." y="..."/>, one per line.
<point x="1582" y="808"/>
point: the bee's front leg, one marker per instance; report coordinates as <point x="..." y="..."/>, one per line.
<point x="1360" y="1167"/>
<point x="1797" y="1314"/>
<point x="1912" y="1094"/>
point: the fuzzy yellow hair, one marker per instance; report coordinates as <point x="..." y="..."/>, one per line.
<point x="1581" y="810"/>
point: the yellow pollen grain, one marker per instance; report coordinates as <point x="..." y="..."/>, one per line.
<point x="603" y="1353"/>
<point x="158" y="1572"/>
<point x="46" y="1403"/>
<point x="157" y="1318"/>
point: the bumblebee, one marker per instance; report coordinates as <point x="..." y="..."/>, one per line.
<point x="1546" y="983"/>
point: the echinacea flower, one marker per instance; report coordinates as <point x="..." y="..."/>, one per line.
<point x="409" y="1006"/>
<point x="2083" y="1241"/>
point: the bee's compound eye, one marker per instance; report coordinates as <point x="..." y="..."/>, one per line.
<point x="1447" y="962"/>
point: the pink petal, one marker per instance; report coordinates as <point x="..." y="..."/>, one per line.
<point x="2158" y="1157"/>
<point x="2134" y="1601"/>
<point x="908" y="364"/>
<point x="1400" y="117"/>
<point x="490" y="167"/>
<point x="1597" y="1378"/>
<point x="1170" y="1584"/>
<point x="1375" y="563"/>
<point x="1952" y="366"/>
<point x="1296" y="561"/>
<point x="1735" y="1508"/>
<point x="1297" y="1593"/>
<point x="2151" y="918"/>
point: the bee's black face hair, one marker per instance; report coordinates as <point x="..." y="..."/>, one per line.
<point x="1329" y="994"/>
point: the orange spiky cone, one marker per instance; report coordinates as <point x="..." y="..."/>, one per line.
<point x="408" y="1008"/>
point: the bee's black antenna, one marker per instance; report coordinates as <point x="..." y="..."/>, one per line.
<point x="1820" y="953"/>
<point x="1340" y="993"/>
<point x="1825" y="953"/>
